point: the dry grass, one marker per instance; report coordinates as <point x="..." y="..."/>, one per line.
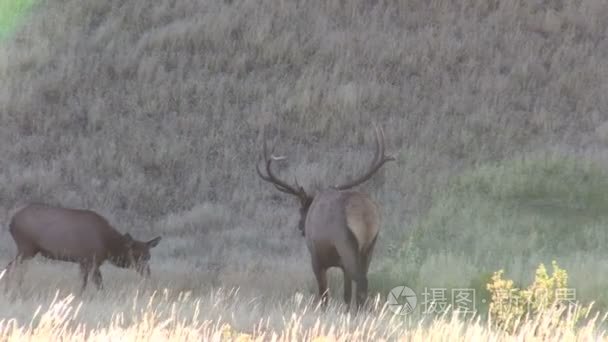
<point x="152" y="112"/>
<point x="227" y="316"/>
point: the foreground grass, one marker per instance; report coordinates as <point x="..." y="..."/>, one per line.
<point x="161" y="316"/>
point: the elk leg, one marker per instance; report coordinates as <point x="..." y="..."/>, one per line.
<point x="321" y="275"/>
<point x="97" y="279"/>
<point x="361" y="290"/>
<point x="18" y="261"/>
<point x="362" y="283"/>
<point x="348" y="290"/>
<point x="10" y="267"/>
<point x="353" y="265"/>
<point x="85" y="268"/>
<point x="367" y="257"/>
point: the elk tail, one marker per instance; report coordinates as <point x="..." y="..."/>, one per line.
<point x="362" y="220"/>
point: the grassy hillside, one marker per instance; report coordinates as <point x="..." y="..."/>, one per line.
<point x="152" y="114"/>
<point x="513" y="215"/>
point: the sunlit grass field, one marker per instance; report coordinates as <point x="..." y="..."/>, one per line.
<point x="153" y="113"/>
<point x="227" y="316"/>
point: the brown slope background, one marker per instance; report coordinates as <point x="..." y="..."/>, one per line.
<point x="152" y="113"/>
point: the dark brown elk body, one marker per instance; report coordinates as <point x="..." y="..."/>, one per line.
<point x="340" y="226"/>
<point x="79" y="236"/>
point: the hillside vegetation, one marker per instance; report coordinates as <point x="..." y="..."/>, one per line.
<point x="153" y="112"/>
<point x="11" y="13"/>
<point x="513" y="215"/>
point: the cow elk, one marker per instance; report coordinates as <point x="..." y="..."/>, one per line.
<point x="79" y="236"/>
<point x="340" y="225"/>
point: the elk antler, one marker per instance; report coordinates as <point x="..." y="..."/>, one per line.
<point x="281" y="185"/>
<point x="379" y="159"/>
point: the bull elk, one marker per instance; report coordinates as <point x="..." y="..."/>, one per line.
<point x="340" y="225"/>
<point x="79" y="236"/>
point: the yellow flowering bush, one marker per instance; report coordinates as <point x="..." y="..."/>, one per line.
<point x="510" y="304"/>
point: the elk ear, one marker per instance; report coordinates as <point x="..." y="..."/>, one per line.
<point x="154" y="242"/>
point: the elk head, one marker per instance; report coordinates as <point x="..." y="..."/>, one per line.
<point x="136" y="254"/>
<point x="305" y="199"/>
